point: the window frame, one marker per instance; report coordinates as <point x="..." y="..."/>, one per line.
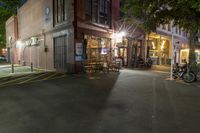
<point x="99" y="13"/>
<point x="60" y="11"/>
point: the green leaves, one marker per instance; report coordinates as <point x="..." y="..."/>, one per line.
<point x="7" y="9"/>
<point x="185" y="13"/>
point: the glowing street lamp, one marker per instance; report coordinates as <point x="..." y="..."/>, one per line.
<point x="118" y="37"/>
<point x="19" y="44"/>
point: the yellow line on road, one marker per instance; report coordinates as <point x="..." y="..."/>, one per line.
<point x="33" y="78"/>
<point x="49" y="79"/>
<point x="14" y="80"/>
<point x="59" y="77"/>
<point x="50" y="76"/>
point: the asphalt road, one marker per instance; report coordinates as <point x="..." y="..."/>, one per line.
<point x="126" y="102"/>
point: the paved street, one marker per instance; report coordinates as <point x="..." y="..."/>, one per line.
<point x="127" y="102"/>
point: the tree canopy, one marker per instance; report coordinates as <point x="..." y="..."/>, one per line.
<point x="7" y="9"/>
<point x="185" y="13"/>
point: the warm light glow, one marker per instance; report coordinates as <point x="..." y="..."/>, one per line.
<point x="118" y="37"/>
<point x="163" y="45"/>
<point x="185" y="50"/>
<point x="197" y="51"/>
<point x="184" y="56"/>
<point x="154" y="47"/>
<point x="4" y="51"/>
<point x="19" y="44"/>
<point x="123" y="33"/>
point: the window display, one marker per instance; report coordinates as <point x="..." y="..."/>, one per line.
<point x="98" y="49"/>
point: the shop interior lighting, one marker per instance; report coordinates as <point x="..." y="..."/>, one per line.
<point x="153" y="44"/>
<point x="163" y="45"/>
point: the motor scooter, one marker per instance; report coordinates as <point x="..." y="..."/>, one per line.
<point x="184" y="73"/>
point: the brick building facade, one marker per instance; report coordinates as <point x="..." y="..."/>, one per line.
<point x="52" y="34"/>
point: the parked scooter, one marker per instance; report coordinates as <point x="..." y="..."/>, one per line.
<point x="149" y="62"/>
<point x="183" y="72"/>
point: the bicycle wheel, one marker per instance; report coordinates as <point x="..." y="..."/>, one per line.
<point x="189" y="77"/>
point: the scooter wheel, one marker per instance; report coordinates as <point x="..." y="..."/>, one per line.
<point x="189" y="77"/>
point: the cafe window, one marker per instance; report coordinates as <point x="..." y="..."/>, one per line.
<point x="60" y="11"/>
<point x="98" y="11"/>
<point x="98" y="49"/>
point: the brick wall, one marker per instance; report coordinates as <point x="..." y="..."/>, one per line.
<point x="33" y="22"/>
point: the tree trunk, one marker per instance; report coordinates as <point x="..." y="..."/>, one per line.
<point x="192" y="42"/>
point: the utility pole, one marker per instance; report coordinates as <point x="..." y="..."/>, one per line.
<point x="172" y="55"/>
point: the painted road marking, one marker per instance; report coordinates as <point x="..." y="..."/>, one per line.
<point x="33" y="81"/>
<point x="14" y="80"/>
<point x="5" y="79"/>
<point x="62" y="76"/>
<point x="33" y="78"/>
<point x="50" y="76"/>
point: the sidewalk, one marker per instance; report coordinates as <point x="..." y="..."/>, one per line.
<point x="163" y="68"/>
<point x="6" y="70"/>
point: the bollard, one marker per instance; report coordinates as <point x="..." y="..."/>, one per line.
<point x="31" y="67"/>
<point x="12" y="67"/>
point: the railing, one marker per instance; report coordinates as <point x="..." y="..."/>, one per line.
<point x="13" y="67"/>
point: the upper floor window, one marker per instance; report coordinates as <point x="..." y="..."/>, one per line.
<point x="176" y="30"/>
<point x="164" y="27"/>
<point x="60" y="11"/>
<point x="98" y="11"/>
<point x="169" y="27"/>
<point x="180" y="31"/>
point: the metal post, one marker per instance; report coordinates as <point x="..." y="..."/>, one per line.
<point x="31" y="67"/>
<point x="172" y="55"/>
<point x="12" y="67"/>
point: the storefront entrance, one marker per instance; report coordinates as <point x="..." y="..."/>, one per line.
<point x="60" y="54"/>
<point x="159" y="51"/>
<point x="123" y="55"/>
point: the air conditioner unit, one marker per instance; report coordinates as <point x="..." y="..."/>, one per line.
<point x="28" y="42"/>
<point x="34" y="41"/>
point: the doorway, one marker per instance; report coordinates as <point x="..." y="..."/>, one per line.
<point x="123" y="55"/>
<point x="60" y="54"/>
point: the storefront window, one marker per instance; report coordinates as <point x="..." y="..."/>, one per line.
<point x="197" y="52"/>
<point x="159" y="51"/>
<point x="184" y="55"/>
<point x="98" y="49"/>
